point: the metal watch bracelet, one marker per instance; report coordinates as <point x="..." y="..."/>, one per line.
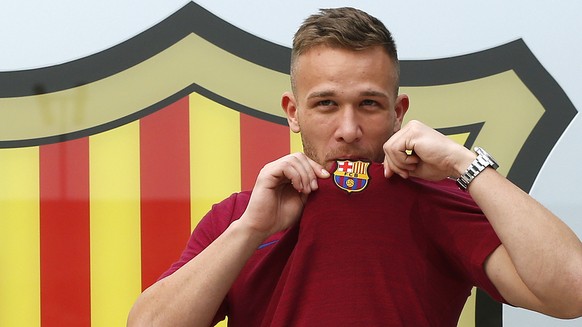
<point x="482" y="161"/>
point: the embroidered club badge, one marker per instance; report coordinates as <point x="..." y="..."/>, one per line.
<point x="351" y="176"/>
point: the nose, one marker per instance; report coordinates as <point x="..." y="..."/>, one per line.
<point x="349" y="129"/>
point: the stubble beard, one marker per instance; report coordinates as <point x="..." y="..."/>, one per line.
<point x="331" y="155"/>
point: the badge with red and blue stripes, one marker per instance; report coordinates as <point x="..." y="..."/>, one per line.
<point x="351" y="176"/>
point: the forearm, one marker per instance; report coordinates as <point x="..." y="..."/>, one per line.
<point x="192" y="295"/>
<point x="546" y="253"/>
<point x="539" y="265"/>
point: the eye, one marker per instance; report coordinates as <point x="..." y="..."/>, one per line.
<point x="369" y="102"/>
<point x="325" y="103"/>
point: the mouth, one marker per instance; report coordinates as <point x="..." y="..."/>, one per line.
<point x="352" y="153"/>
<point x="351" y="158"/>
<point x="331" y="163"/>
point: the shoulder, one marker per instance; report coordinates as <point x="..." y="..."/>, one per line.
<point x="214" y="223"/>
<point x="220" y="216"/>
<point x="234" y="202"/>
<point x="229" y="209"/>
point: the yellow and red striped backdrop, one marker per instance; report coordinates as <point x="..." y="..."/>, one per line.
<point x="87" y="224"/>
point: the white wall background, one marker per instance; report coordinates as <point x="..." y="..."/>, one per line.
<point x="39" y="33"/>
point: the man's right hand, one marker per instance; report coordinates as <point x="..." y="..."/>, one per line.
<point x="192" y="295"/>
<point x="280" y="193"/>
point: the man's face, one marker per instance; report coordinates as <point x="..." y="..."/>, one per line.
<point x="345" y="103"/>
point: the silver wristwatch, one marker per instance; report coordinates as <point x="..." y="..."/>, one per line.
<point x="482" y="161"/>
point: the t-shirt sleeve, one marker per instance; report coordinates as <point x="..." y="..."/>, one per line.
<point x="461" y="231"/>
<point x="212" y="225"/>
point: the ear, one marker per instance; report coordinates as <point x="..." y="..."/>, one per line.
<point x="400" y="109"/>
<point x="290" y="107"/>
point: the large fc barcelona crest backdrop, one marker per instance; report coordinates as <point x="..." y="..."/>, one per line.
<point x="108" y="162"/>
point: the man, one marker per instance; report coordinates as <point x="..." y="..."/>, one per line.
<point x="250" y="259"/>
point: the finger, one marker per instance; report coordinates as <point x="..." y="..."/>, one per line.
<point x="411" y="159"/>
<point x="280" y="172"/>
<point x="293" y="174"/>
<point x="318" y="169"/>
<point x="391" y="168"/>
<point x="314" y="170"/>
<point x="387" y="171"/>
<point x="304" y="170"/>
<point x="401" y="162"/>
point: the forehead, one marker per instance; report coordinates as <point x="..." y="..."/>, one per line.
<point x="340" y="66"/>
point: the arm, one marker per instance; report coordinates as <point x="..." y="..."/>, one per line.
<point x="192" y="295"/>
<point x="539" y="264"/>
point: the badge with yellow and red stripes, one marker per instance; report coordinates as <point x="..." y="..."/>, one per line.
<point x="351" y="176"/>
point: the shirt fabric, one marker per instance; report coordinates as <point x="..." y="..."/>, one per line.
<point x="400" y="252"/>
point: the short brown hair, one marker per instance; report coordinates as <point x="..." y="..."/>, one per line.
<point x="345" y="27"/>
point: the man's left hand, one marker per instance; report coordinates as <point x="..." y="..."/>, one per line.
<point x="421" y="151"/>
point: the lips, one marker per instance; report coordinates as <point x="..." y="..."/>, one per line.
<point x="331" y="163"/>
<point x="353" y="158"/>
<point x="352" y="153"/>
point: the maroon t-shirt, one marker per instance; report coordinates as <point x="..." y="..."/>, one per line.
<point x="394" y="252"/>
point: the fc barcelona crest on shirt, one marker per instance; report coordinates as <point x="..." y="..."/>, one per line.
<point x="351" y="176"/>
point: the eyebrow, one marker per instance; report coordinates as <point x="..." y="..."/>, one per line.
<point x="369" y="93"/>
<point x="321" y="94"/>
